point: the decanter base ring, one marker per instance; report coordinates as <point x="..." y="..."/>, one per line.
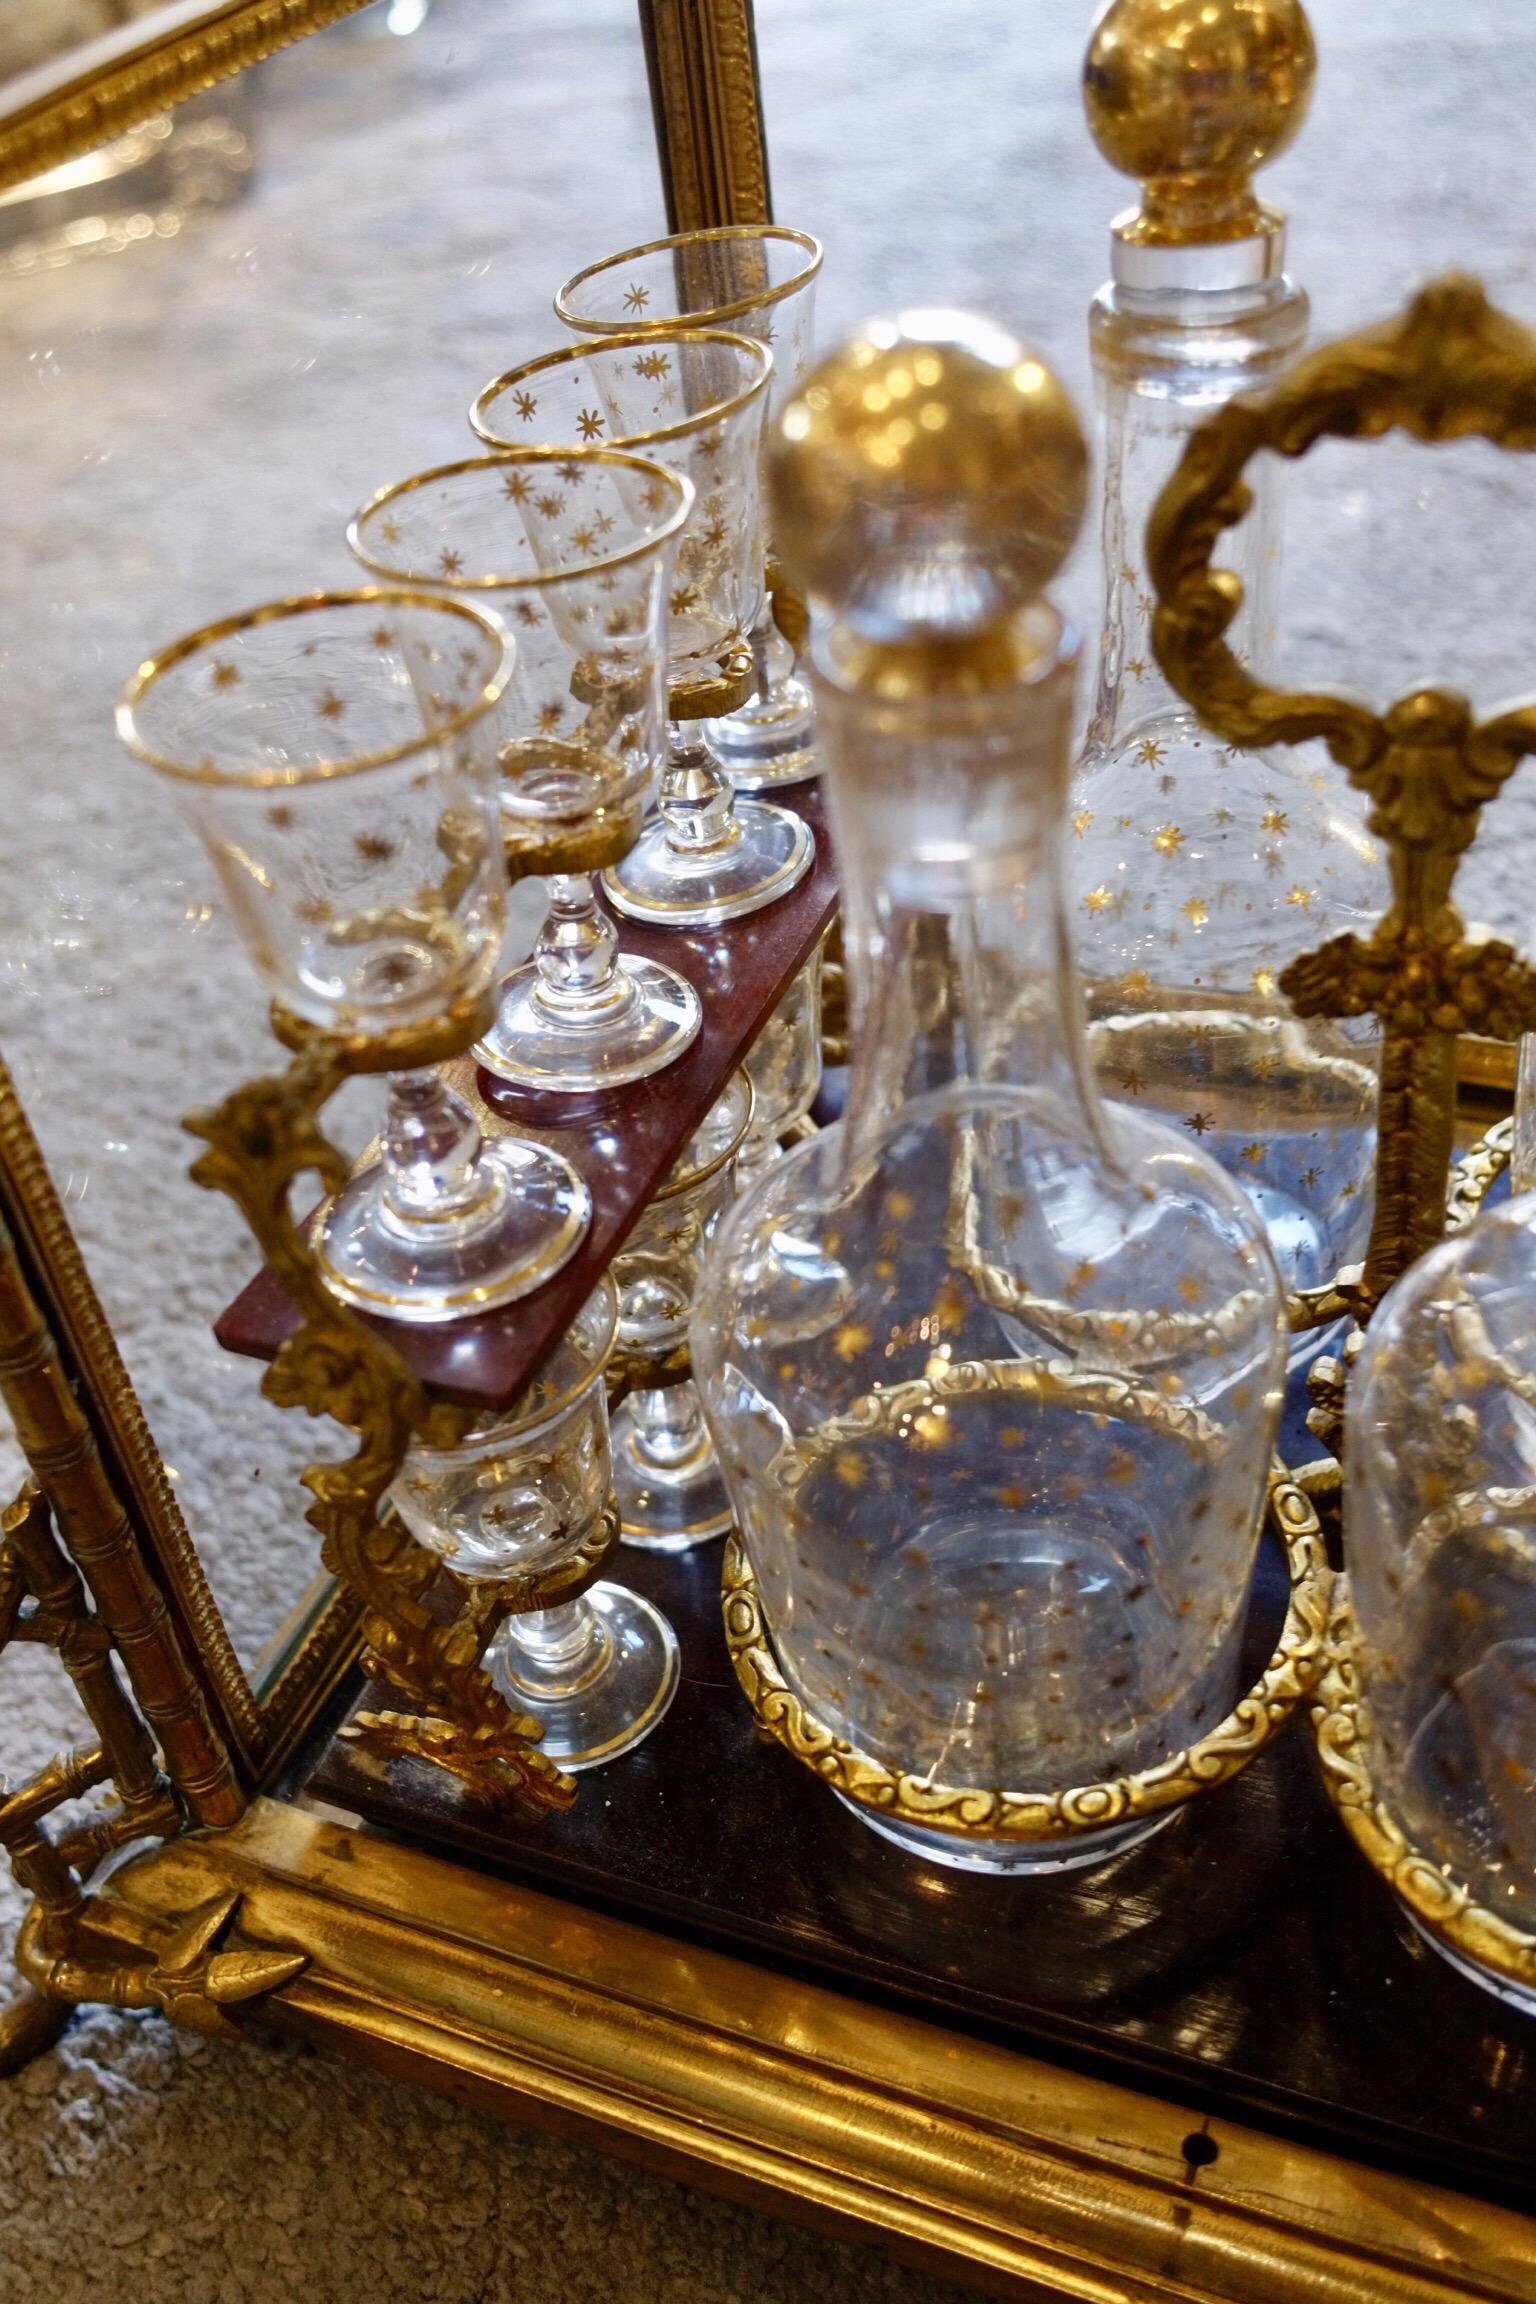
<point x="1081" y="1813"/>
<point x="1486" y="1948"/>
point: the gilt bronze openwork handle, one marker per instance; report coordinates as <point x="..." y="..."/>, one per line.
<point x="1450" y="367"/>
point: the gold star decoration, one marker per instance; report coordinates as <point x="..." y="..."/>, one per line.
<point x="1137" y="668"/>
<point x="526" y="405"/>
<point x="226" y="675"/>
<point x="1081" y="822"/>
<point x="652" y="366"/>
<point x="331" y="706"/>
<point x="526" y="612"/>
<point x="1199" y="1123"/>
<point x="515" y="485"/>
<point x="550" y="717"/>
<point x="572" y="474"/>
<point x="584" y="539"/>
<point x="636" y="297"/>
<point x="589" y="424"/>
<point x="281" y="817"/>
<point x="1263" y="981"/>
<point x="1150" y="753"/>
<point x="450" y="562"/>
<point x="1136" y="984"/>
<point x="373" y="847"/>
<point x="1191" y="1289"/>
<point x="684" y="597"/>
<point x="1130" y="1079"/>
<point x="1097" y="900"/>
<point x="550" y="506"/>
<point x="381" y="636"/>
<point x="1195" y="912"/>
<point x="1302" y="898"/>
<point x="1168" y="840"/>
<point x="604" y="524"/>
<point x="1253" y="1154"/>
<point x="1274" y="820"/>
<point x="1308" y="1179"/>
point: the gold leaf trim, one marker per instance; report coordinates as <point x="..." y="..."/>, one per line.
<point x="1341" y="1724"/>
<point x="967" y="1812"/>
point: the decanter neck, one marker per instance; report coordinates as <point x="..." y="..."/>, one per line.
<point x="947" y="810"/>
<point x="1165" y="359"/>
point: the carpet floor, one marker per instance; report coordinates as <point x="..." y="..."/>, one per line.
<point x="184" y="428"/>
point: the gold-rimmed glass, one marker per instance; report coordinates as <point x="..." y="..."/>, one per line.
<point x="761" y="281"/>
<point x="576" y="548"/>
<point x="696" y="400"/>
<point x="337" y="756"/>
<point x="522" y="1498"/>
<point x="666" y="1476"/>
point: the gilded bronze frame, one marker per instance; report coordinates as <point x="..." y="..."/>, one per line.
<point x="987" y="2165"/>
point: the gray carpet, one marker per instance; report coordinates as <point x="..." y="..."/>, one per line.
<point x="184" y="429"/>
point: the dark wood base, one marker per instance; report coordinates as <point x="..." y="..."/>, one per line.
<point x="1245" y="1961"/>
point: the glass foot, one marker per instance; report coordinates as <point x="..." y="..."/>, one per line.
<point x="766" y="852"/>
<point x="530" y="1219"/>
<point x="537" y="1044"/>
<point x="1018" y="1857"/>
<point x="598" y="1673"/>
<point x="771" y="740"/>
<point x="667" y="1507"/>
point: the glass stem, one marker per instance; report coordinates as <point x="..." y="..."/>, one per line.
<point x="697" y="800"/>
<point x="668" y="1426"/>
<point x="555" y="1650"/>
<point x="577" y="954"/>
<point x="773" y="659"/>
<point x="431" y="1145"/>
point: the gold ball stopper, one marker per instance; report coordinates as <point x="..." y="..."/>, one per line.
<point x="930" y="475"/>
<point x="1190" y="97"/>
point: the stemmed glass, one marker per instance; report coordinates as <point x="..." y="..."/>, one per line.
<point x="784" y="1067"/>
<point x="523" y="1500"/>
<point x="576" y="548"/>
<point x="761" y="281"/>
<point x="337" y="756"/>
<point x="697" y="401"/>
<point x="666" y="1474"/>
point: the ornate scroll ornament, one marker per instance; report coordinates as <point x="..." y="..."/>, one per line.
<point x="971" y="1811"/>
<point x="1341" y="1721"/>
<point x="260" y="1140"/>
<point x="1451" y="367"/>
<point x="1476" y="1173"/>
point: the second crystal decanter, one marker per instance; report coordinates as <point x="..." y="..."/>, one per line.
<point x="1200" y="871"/>
<point x="993" y="1375"/>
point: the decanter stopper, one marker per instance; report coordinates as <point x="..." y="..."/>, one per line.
<point x="1190" y="97"/>
<point x="930" y="478"/>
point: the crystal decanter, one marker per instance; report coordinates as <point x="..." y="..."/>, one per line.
<point x="1440" y="1545"/>
<point x="1198" y="870"/>
<point x="993" y="1373"/>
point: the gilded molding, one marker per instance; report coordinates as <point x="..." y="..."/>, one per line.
<point x="990" y="2166"/>
<point x="1291" y="1675"/>
<point x="702" y="60"/>
<point x="165" y="68"/>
